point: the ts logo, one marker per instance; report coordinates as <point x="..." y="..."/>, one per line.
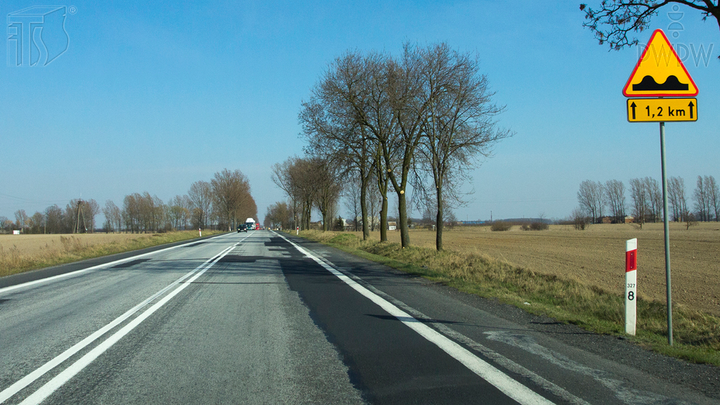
<point x="36" y="35"/>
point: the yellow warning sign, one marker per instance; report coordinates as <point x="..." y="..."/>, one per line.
<point x="660" y="72"/>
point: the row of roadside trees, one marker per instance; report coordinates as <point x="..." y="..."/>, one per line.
<point x="222" y="203"/>
<point x="646" y="201"/>
<point x="78" y="216"/>
<point x="417" y="122"/>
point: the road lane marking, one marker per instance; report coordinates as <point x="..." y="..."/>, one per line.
<point x="615" y="384"/>
<point x="99" y="266"/>
<point x="483" y="369"/>
<point x="30" y="378"/>
<point x="486" y="351"/>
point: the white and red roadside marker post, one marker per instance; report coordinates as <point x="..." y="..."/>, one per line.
<point x="630" y="286"/>
<point x="297" y="230"/>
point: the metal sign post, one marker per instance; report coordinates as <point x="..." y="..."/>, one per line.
<point x="667" y="235"/>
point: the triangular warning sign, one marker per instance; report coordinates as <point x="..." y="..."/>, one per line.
<point x="660" y="72"/>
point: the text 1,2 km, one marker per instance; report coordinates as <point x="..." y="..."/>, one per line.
<point x="661" y="109"/>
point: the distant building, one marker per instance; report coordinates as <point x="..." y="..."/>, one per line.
<point x="478" y="222"/>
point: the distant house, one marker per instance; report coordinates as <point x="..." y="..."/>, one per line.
<point x="392" y="225"/>
<point x="348" y="225"/>
<point x="629" y="219"/>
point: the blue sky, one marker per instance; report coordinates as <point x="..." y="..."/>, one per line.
<point x="153" y="96"/>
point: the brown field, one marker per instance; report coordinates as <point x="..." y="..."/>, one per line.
<point x="597" y="256"/>
<point x="20" y="253"/>
<point x="29" y="245"/>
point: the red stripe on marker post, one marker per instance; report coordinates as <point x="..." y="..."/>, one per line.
<point x="630" y="286"/>
<point x="631" y="258"/>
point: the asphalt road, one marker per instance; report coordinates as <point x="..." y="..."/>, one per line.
<point x="269" y="318"/>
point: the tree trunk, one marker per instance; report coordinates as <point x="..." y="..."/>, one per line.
<point x="403" y="220"/>
<point x="383" y="186"/>
<point x="326" y="221"/>
<point x="439" y="220"/>
<point x="363" y="207"/>
<point x="383" y="218"/>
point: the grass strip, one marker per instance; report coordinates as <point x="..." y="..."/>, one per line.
<point x="74" y="249"/>
<point x="696" y="334"/>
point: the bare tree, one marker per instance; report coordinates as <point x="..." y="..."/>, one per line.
<point x="615" y="199"/>
<point x="37" y="222"/>
<point x="458" y="125"/>
<point x="334" y="120"/>
<point x="358" y="90"/>
<point x="297" y="177"/>
<point x="179" y="211"/>
<point x="112" y="216"/>
<point x="615" y="20"/>
<point x="200" y="195"/>
<point x="676" y="198"/>
<point x="21" y="220"/>
<point x="375" y="203"/>
<point x="713" y="193"/>
<point x="278" y="215"/>
<point x="90" y="209"/>
<point x="352" y="194"/>
<point x="580" y="219"/>
<point x="54" y="219"/>
<point x="131" y="212"/>
<point x="639" y="195"/>
<point x="327" y="187"/>
<point x="282" y="177"/>
<point x="187" y="211"/>
<point x="706" y="196"/>
<point x="231" y="190"/>
<point x="590" y="198"/>
<point x="5" y="224"/>
<point x="409" y="101"/>
<point x="654" y="198"/>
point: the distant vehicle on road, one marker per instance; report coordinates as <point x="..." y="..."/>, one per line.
<point x="242" y="228"/>
<point x="250" y="224"/>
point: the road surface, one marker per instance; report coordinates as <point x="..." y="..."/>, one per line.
<point x="263" y="317"/>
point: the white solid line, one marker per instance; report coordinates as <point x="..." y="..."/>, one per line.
<point x="60" y="379"/>
<point x="487" y="352"/>
<point x="486" y="371"/>
<point x="99" y="266"/>
<point x="39" y="372"/>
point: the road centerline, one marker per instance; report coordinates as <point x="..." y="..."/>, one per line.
<point x="42" y="370"/>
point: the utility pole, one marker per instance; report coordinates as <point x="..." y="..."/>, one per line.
<point x="77" y="219"/>
<point x="80" y="214"/>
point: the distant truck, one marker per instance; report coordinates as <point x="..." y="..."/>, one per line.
<point x="250" y="224"/>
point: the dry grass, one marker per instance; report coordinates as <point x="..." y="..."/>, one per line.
<point x="597" y="256"/>
<point x="20" y="253"/>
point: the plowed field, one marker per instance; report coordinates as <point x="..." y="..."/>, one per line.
<point x="597" y="256"/>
